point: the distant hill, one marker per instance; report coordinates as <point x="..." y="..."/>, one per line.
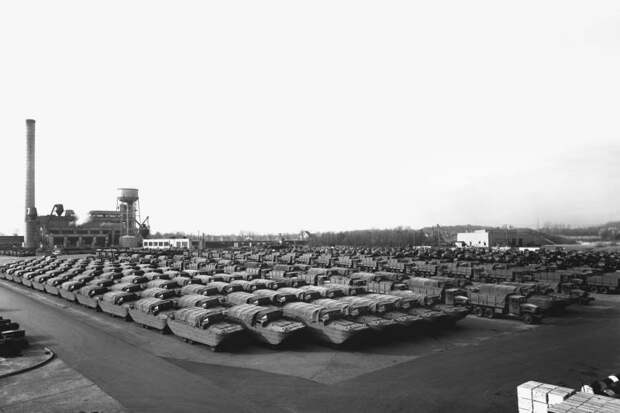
<point x="448" y="234"/>
<point x="609" y="231"/>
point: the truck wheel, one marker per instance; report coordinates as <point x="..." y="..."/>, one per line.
<point x="528" y="319"/>
<point x="489" y="313"/>
<point x="478" y="311"/>
<point x="603" y="290"/>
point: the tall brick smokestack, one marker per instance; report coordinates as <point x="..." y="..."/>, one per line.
<point x="31" y="239"/>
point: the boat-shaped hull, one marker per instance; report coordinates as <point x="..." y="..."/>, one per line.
<point x="66" y="294"/>
<point x="158" y="322"/>
<point x="50" y="289"/>
<point x="432" y="318"/>
<point x="377" y="324"/>
<point x="214" y="336"/>
<point x="91" y="302"/>
<point x="333" y="335"/>
<point x="453" y="313"/>
<point x="404" y="319"/>
<point x="274" y="337"/>
<point x="38" y="286"/>
<point x="121" y="311"/>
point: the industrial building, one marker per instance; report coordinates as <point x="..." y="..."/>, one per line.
<point x="500" y="237"/>
<point x="121" y="227"/>
<point x="166" y="243"/>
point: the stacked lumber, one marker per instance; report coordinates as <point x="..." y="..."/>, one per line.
<point x="536" y="397"/>
<point x="587" y="403"/>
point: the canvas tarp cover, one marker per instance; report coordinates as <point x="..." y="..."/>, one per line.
<point x="134" y="279"/>
<point x="196" y="300"/>
<point x="289" y="290"/>
<point x="70" y="285"/>
<point x="161" y="284"/>
<point x="182" y="281"/>
<point x="56" y="280"/>
<point x="497" y="289"/>
<point x="263" y="281"/>
<point x="359" y="301"/>
<point x="244" y="312"/>
<point x="333" y="304"/>
<point x="90" y="290"/>
<point x="221" y="286"/>
<point x="146" y="304"/>
<point x="195" y="289"/>
<point x="304" y="311"/>
<point x="121" y="286"/>
<point x="266" y="293"/>
<point x="115" y="296"/>
<point x="239" y="297"/>
<point x="152" y="292"/>
<point x="383" y="298"/>
<point x="243" y="283"/>
<point x="195" y="316"/>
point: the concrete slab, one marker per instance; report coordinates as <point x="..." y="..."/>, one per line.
<point x="54" y="387"/>
<point x="30" y="358"/>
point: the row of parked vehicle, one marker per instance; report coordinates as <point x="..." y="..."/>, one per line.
<point x="526" y="293"/>
<point x="214" y="307"/>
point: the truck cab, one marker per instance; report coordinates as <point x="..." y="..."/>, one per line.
<point x="519" y="307"/>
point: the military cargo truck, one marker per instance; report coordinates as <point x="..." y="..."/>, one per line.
<point x="604" y="283"/>
<point x="491" y="300"/>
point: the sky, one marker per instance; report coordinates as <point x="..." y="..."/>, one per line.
<point x="278" y="116"/>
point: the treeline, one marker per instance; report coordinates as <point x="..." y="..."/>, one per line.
<point x="397" y="237"/>
<point x="605" y="231"/>
<point x="609" y="234"/>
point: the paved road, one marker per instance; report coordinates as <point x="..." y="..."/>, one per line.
<point x="139" y="380"/>
<point x="475" y="369"/>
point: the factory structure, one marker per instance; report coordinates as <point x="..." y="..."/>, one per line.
<point x="121" y="227"/>
<point x="501" y="237"/>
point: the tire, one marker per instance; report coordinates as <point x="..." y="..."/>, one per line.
<point x="603" y="290"/>
<point x="489" y="313"/>
<point x="528" y="319"/>
<point x="477" y="311"/>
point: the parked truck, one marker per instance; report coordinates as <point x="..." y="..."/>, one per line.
<point x="491" y="300"/>
<point x="604" y="283"/>
<point x="542" y="295"/>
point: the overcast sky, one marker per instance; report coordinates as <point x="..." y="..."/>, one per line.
<point x="275" y="116"/>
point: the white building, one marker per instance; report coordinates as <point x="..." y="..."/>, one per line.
<point x="166" y="243"/>
<point x="479" y="238"/>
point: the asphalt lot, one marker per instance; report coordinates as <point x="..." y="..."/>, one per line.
<point x="473" y="368"/>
